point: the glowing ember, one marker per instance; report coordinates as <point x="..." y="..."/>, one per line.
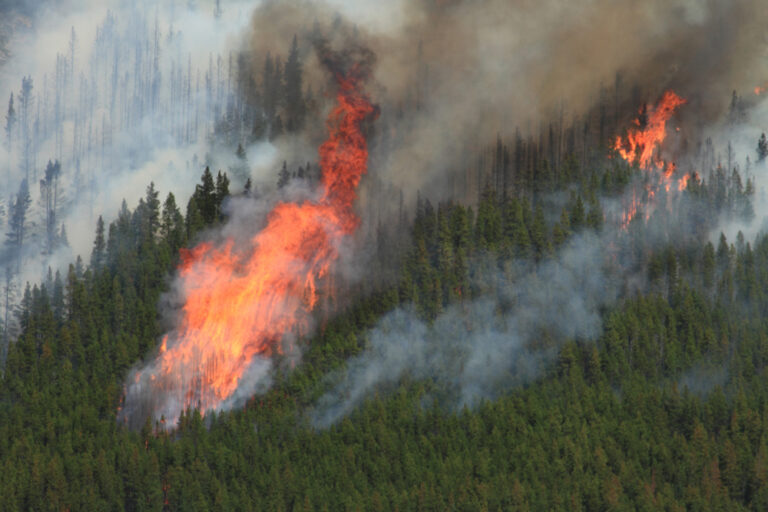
<point x="641" y="142"/>
<point x="240" y="304"/>
<point x="760" y="89"/>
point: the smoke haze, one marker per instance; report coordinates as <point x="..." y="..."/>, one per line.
<point x="136" y="95"/>
<point x="477" y="349"/>
<point x="453" y="74"/>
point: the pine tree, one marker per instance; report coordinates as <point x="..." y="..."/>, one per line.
<point x="240" y="170"/>
<point x="736" y="111"/>
<point x="577" y="214"/>
<point x="284" y="176"/>
<point x="520" y="234"/>
<point x="172" y="224"/>
<point x="9" y="297"/>
<point x="205" y="196"/>
<point x="194" y="219"/>
<point x="539" y="234"/>
<point x="762" y="148"/>
<point x="595" y="216"/>
<point x="269" y="88"/>
<point x="277" y="128"/>
<point x="10" y="120"/>
<point x="222" y="191"/>
<point x="98" y="254"/>
<point x="49" y="194"/>
<point x="152" y="205"/>
<point x="488" y="225"/>
<point x="63" y="238"/>
<point x="294" y="99"/>
<point x="723" y="252"/>
<point x="17" y="224"/>
<point x="25" y="103"/>
<point x="10" y="123"/>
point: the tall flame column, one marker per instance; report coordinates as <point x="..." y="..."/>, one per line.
<point x="240" y="303"/>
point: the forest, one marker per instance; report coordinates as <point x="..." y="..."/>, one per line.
<point x="537" y="316"/>
<point x="695" y="439"/>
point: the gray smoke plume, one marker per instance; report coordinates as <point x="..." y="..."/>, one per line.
<point x="452" y="74"/>
<point x="135" y="97"/>
<point x="479" y="348"/>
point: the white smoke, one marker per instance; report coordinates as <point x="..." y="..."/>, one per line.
<point x="480" y="348"/>
<point x="124" y="94"/>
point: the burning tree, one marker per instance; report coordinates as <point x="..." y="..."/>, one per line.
<point x="240" y="304"/>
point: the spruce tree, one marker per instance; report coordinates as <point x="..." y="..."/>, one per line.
<point x="98" y="254"/>
<point x="762" y="148"/>
<point x="17" y="224"/>
<point x="152" y="204"/>
<point x="205" y="197"/>
<point x="284" y="176"/>
<point x="294" y="99"/>
<point x="10" y="123"/>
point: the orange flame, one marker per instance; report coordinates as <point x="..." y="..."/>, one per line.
<point x="241" y="303"/>
<point x="633" y="207"/>
<point x="683" y="183"/>
<point x="642" y="145"/>
<point x="641" y="142"/>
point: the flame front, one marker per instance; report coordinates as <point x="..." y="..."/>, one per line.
<point x="239" y="304"/>
<point x="641" y="142"/>
<point x="642" y="146"/>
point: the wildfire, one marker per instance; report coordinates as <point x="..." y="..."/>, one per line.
<point x="642" y="145"/>
<point x="241" y="303"/>
<point x="641" y="142"/>
<point x="632" y="207"/>
<point x="683" y="183"/>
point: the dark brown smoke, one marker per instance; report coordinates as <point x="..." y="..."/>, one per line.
<point x="453" y="74"/>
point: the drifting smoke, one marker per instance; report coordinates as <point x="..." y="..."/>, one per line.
<point x="450" y="75"/>
<point x="138" y="97"/>
<point x="477" y="350"/>
<point x="702" y="380"/>
<point x="121" y="94"/>
<point x="243" y="305"/>
<point x="453" y="74"/>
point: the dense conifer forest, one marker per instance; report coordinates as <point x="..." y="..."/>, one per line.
<point x="666" y="410"/>
<point x="535" y="319"/>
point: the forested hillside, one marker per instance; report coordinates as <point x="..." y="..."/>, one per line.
<point x="667" y="409"/>
<point x="400" y="257"/>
